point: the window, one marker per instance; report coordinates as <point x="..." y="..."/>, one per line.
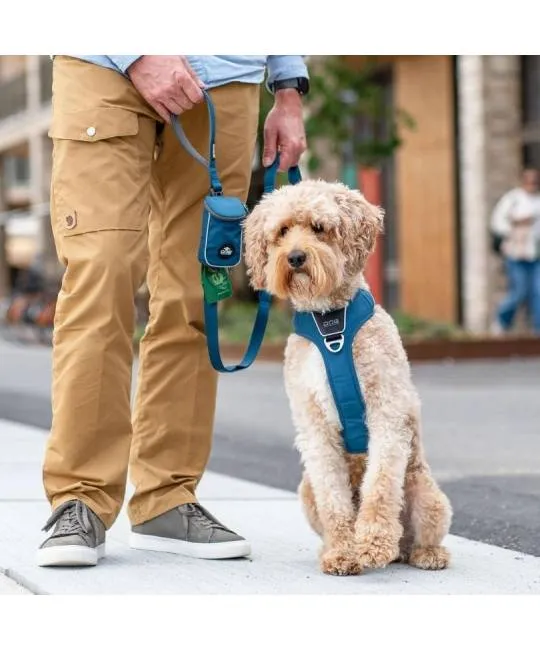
<point x="16" y="170"/>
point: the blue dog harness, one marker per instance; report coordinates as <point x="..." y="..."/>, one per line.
<point x="333" y="333"/>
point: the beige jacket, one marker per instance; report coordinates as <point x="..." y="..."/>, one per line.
<point x="516" y="218"/>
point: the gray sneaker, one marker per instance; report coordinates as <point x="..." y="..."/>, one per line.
<point x="189" y="530"/>
<point x="78" y="538"/>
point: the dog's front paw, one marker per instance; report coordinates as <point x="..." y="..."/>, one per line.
<point x="340" y="561"/>
<point x="432" y="558"/>
<point x="377" y="548"/>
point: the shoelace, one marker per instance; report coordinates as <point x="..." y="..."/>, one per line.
<point x="72" y="518"/>
<point x="204" y="518"/>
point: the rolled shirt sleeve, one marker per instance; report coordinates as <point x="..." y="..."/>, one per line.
<point x="123" y="61"/>
<point x="279" y="66"/>
<point x="285" y="67"/>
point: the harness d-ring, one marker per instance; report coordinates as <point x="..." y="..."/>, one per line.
<point x="334" y="343"/>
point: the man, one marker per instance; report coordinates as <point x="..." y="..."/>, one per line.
<point x="516" y="222"/>
<point x="113" y="160"/>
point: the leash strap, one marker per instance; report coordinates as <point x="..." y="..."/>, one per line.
<point x="255" y="340"/>
<point x="210" y="164"/>
<point x="264" y="299"/>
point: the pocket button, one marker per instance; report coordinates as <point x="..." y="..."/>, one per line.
<point x="71" y="221"/>
<point x="91" y="131"/>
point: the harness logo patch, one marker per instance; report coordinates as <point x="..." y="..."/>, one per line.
<point x="330" y="323"/>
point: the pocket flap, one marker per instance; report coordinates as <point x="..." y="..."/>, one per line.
<point x="228" y="208"/>
<point x="94" y="124"/>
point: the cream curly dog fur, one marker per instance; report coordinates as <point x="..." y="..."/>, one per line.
<point x="369" y="511"/>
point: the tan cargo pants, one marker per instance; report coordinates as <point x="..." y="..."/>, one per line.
<point x="124" y="204"/>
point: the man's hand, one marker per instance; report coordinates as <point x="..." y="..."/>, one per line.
<point x="284" y="130"/>
<point x="167" y="83"/>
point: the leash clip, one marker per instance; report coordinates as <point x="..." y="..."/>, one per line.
<point x="334" y="343"/>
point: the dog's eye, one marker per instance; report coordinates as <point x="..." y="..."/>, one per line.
<point x="283" y="231"/>
<point x="317" y="228"/>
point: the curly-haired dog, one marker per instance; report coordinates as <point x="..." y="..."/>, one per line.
<point x="309" y="243"/>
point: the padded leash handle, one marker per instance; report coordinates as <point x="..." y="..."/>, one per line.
<point x="270" y="175"/>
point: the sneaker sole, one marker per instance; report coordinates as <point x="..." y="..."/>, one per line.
<point x="70" y="555"/>
<point x="215" y="551"/>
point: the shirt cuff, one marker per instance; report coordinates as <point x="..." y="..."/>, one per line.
<point x="123" y="61"/>
<point x="285" y="67"/>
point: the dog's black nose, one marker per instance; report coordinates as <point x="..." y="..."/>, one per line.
<point x="296" y="259"/>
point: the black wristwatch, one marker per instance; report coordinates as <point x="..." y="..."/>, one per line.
<point x="301" y="84"/>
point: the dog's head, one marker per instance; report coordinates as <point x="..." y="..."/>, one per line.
<point x="309" y="242"/>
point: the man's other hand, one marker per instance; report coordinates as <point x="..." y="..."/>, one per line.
<point x="284" y="130"/>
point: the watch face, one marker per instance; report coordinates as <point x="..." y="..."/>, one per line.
<point x="303" y="85"/>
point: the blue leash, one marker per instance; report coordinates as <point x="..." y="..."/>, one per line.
<point x="264" y="299"/>
<point x="210" y="164"/>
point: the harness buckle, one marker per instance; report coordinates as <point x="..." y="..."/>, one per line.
<point x="334" y="343"/>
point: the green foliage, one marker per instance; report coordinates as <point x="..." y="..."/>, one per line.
<point x="334" y="120"/>
<point x="237" y="318"/>
<point x="343" y="97"/>
<point x="412" y="327"/>
<point x="266" y="103"/>
<point x="236" y="321"/>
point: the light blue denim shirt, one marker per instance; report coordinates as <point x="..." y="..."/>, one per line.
<point x="219" y="70"/>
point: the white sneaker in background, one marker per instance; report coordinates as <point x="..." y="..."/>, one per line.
<point x="496" y="329"/>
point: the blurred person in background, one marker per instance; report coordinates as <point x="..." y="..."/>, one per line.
<point x="515" y="226"/>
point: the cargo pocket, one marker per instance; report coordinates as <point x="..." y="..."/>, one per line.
<point x="101" y="171"/>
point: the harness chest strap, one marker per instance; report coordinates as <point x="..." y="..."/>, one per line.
<point x="333" y="333"/>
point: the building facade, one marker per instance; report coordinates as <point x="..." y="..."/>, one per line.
<point x="25" y="155"/>
<point x="477" y="122"/>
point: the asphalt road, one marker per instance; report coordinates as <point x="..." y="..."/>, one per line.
<point x="481" y="431"/>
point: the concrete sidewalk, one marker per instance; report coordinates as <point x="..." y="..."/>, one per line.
<point x="284" y="559"/>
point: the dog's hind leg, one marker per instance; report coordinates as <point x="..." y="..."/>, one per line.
<point x="307" y="497"/>
<point x="429" y="515"/>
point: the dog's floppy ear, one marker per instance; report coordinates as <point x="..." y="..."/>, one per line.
<point x="360" y="223"/>
<point x="256" y="254"/>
